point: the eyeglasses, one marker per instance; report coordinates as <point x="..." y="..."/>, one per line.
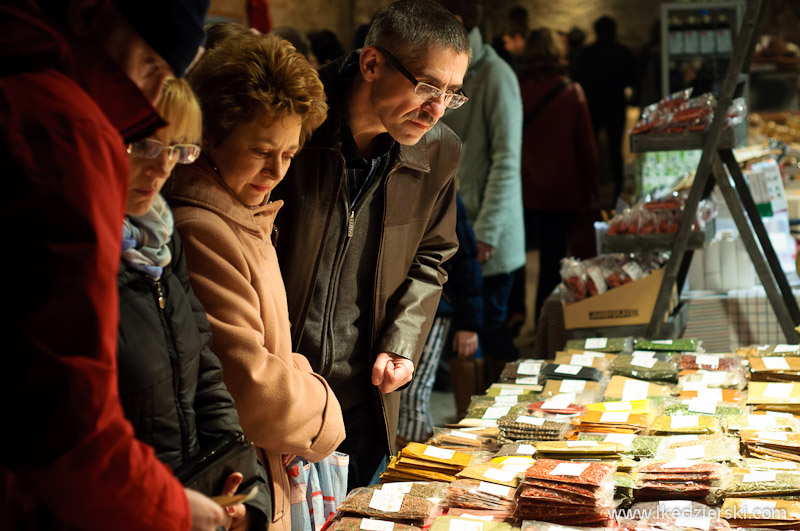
<point x="150" y="148"/>
<point x="429" y="93"/>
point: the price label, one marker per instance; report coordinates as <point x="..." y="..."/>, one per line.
<point x="620" y="438"/>
<point x="761" y="421"/>
<point x="493" y="488"/>
<point x="386" y="501"/>
<point x="464" y="435"/>
<point x="684" y="421"/>
<point x="661" y="342"/>
<point x="529" y="367"/>
<point x="760" y="508"/>
<point x="580" y="444"/>
<point x="695" y="386"/>
<point x="618" y="406"/>
<point x="527" y="380"/>
<point x="572" y="386"/>
<point x="709" y="395"/>
<point x="483" y="517"/>
<point x="707" y="360"/>
<point x="370" y="524"/>
<point x="506" y="400"/>
<point x="614" y="416"/>
<point x="643" y="353"/>
<point x="594" y="343"/>
<point x="640" y="361"/>
<point x="534" y="421"/>
<point x="503" y="476"/>
<point x="679" y="464"/>
<point x="775" y="363"/>
<point x="568" y="369"/>
<point x="583" y="360"/>
<point x="701" y="406"/>
<point x="568" y="469"/>
<point x="556" y="403"/>
<point x="495" y="412"/>
<point x="682" y="438"/>
<point x="778" y="390"/>
<point x="635" y="390"/>
<point x="398" y="486"/>
<point x="438" y="453"/>
<point x="771" y="436"/>
<point x="759" y="476"/>
<point x="785" y="348"/>
<point x="524" y="449"/>
<point x="511" y="392"/>
<point x="713" y="378"/>
<point x="690" y="452"/>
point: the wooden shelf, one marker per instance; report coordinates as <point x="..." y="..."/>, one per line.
<point x="729" y="139"/>
<point x="628" y="243"/>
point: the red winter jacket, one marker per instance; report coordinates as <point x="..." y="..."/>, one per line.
<point x="68" y="457"/>
<point x="559" y="157"/>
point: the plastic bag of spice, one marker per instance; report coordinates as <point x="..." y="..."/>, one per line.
<point x="557" y="371"/>
<point x="584" y="359"/>
<point x="461" y="440"/>
<point x="674" y="345"/>
<point x="602" y="344"/>
<point x="573" y="278"/>
<point x="476" y="494"/>
<point x="635" y="445"/>
<point x="389" y="504"/>
<point x="691" y="424"/>
<point x="456" y="523"/>
<point x="749" y="483"/>
<point x="695" y="380"/>
<point x="677" y="407"/>
<point x="647" y="365"/>
<point x="718" y="448"/>
<point x="355" y="523"/>
<point x="709" y="362"/>
<point x="527" y="427"/>
<point x="533" y="525"/>
<point x="521" y="372"/>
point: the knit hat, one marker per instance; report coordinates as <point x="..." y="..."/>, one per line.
<point x="173" y="28"/>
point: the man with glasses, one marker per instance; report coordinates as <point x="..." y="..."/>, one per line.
<point x="370" y="217"/>
<point x="490" y="180"/>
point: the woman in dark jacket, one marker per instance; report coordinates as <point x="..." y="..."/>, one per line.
<point x="559" y="160"/>
<point x="170" y="382"/>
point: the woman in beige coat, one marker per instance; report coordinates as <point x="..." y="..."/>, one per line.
<point x="260" y="101"/>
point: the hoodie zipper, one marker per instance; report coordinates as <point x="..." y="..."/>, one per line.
<point x="161" y="302"/>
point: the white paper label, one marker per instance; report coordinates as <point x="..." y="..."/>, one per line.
<point x="524" y="449"/>
<point x="503" y="476"/>
<point x="518" y="459"/>
<point x="526" y="419"/>
<point x="707" y="360"/>
<point x="781" y="465"/>
<point x="595" y="343"/>
<point x="690" y="452"/>
<point x="494" y="489"/>
<point x="761" y="508"/>
<point x="568" y="369"/>
<point x="635" y="390"/>
<point x="569" y="469"/>
<point x="483" y="517"/>
<point x="661" y="342"/>
<point x="701" y="406"/>
<point x="506" y="400"/>
<point x="694" y="522"/>
<point x="643" y="353"/>
<point x="713" y="378"/>
<point x="640" y="361"/>
<point x="511" y="392"/>
<point x="516" y="469"/>
<point x="463" y="435"/>
<point x="710" y="395"/>
<point x="386" y="501"/>
<point x="527" y="380"/>
<point x="633" y="269"/>
<point x="762" y="347"/>
<point x="439" y="453"/>
<point x="529" y="367"/>
<point x="674" y="506"/>
<point x="572" y="386"/>
<point x="682" y="438"/>
<point x="775" y="363"/>
<point x="679" y="464"/>
<point x="684" y="421"/>
<point x="761" y="421"/>
<point x="694" y="386"/>
<point x="771" y="436"/>
<point x="618" y="406"/>
<point x="614" y="416"/>
<point x="370" y="524"/>
<point x="759" y="476"/>
<point x="779" y="414"/>
<point x="457" y="524"/>
<point x="778" y="390"/>
<point x="556" y="402"/>
<point x="580" y="444"/>
<point x="785" y="348"/>
<point x="397" y="486"/>
<point x="494" y="413"/>
<point x="621" y="438"/>
<point x="583" y="360"/>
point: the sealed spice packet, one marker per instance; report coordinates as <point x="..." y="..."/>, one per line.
<point x="602" y="344"/>
<point x="523" y="392"/>
<point x="593" y="474"/>
<point x="557" y="371"/>
<point x="728" y="396"/>
<point x="461" y="440"/>
<point x="755" y="422"/>
<point x="598" y="360"/>
<point x="572" y="450"/>
<point x="749" y="483"/>
<point x="718" y="448"/>
<point x="709" y="362"/>
<point x="522" y="371"/>
<point x="636" y="445"/>
<point x="487" y="515"/>
<point x="695" y="380"/>
<point x="674" y="345"/>
<point x="774" y="368"/>
<point x="621" y="388"/>
<point x="516" y="449"/>
<point x="768" y="350"/>
<point x="476" y="494"/>
<point x="677" y="407"/>
<point x="460" y="523"/>
<point x="647" y="365"/>
<point x="754" y="512"/>
<point x="354" y="523"/>
<point x="393" y="505"/>
<point x="527" y="427"/>
<point x="697" y="424"/>
<point x="492" y="473"/>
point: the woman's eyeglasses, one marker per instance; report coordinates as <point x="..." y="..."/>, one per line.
<point x="150" y="148"/>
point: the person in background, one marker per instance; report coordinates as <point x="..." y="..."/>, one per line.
<point x="459" y="316"/>
<point x="77" y="82"/>
<point x="559" y="160"/>
<point x="606" y="69"/>
<point x="326" y="46"/>
<point x="260" y="100"/>
<point x="370" y="217"/>
<point x="170" y="382"/>
<point x="489" y="180"/>
<point x="219" y="31"/>
<point x="575" y="38"/>
<point x="511" y="44"/>
<point x="299" y="40"/>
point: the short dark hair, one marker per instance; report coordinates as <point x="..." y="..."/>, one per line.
<point x="408" y="28"/>
<point x="469" y="10"/>
<point x="517" y="22"/>
<point x="605" y="28"/>
<point x="325" y="45"/>
<point x="219" y="31"/>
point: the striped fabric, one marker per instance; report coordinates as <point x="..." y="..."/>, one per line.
<point x="316" y="490"/>
<point x="416" y="422"/>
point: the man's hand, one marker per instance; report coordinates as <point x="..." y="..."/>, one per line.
<point x="465" y="343"/>
<point x="485" y="251"/>
<point x="391" y="372"/>
<point x="206" y="515"/>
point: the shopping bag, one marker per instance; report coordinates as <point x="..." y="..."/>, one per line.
<point x="467" y="377"/>
<point x="316" y="490"/>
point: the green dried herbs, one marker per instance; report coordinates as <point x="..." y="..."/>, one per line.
<point x="645" y="365"/>
<point x="685" y="408"/>
<point x="602" y="344"/>
<point x="675" y="345"/>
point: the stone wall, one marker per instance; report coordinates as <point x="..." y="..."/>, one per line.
<point x="635" y="18"/>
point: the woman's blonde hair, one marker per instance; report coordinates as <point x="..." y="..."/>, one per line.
<point x="544" y="46"/>
<point x="243" y="77"/>
<point x="179" y="107"/>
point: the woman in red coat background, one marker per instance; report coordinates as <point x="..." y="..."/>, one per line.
<point x="559" y="160"/>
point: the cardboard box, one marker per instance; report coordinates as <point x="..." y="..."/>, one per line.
<point x="631" y="304"/>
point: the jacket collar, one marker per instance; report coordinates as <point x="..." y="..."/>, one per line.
<point x="336" y="77"/>
<point x="199" y="184"/>
<point x="476" y="43"/>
